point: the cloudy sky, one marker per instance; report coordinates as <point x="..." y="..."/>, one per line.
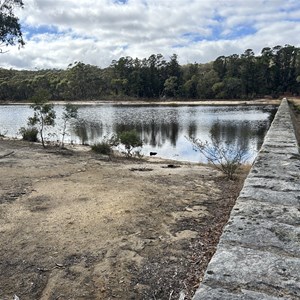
<point x="59" y="32"/>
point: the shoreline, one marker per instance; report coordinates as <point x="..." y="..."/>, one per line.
<point x="79" y="148"/>
<point x="159" y="103"/>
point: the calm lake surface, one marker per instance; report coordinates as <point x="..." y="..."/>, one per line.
<point x="163" y="129"/>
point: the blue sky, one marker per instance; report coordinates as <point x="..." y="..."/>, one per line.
<point x="59" y="32"/>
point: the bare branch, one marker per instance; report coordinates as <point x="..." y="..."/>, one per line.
<point x="225" y="157"/>
<point x="7" y="154"/>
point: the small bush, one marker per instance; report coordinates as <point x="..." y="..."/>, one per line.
<point x="102" y="148"/>
<point x="225" y="157"/>
<point x="130" y="140"/>
<point x="29" y="134"/>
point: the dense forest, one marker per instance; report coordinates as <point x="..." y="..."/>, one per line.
<point x="276" y="71"/>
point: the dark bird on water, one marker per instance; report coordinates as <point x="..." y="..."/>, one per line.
<point x="153" y="153"/>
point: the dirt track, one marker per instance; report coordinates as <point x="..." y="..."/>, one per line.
<point x="74" y="225"/>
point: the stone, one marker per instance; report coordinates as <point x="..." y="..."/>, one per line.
<point x="258" y="256"/>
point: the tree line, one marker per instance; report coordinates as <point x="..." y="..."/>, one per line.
<point x="274" y="72"/>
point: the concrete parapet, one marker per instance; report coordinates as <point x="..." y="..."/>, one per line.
<point x="258" y="256"/>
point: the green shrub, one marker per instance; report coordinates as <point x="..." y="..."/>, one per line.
<point x="102" y="148"/>
<point x="29" y="134"/>
<point x="130" y="139"/>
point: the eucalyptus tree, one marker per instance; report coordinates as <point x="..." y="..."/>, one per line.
<point x="264" y="65"/>
<point x="81" y="81"/>
<point x="70" y="112"/>
<point x="190" y="75"/>
<point x="248" y="72"/>
<point x="135" y="79"/>
<point x="10" y="28"/>
<point x="44" y="113"/>
<point x="233" y="65"/>
<point x="286" y="58"/>
<point x="171" y="86"/>
<point x="206" y="83"/>
<point x="220" y="66"/>
<point x="154" y="75"/>
<point x="174" y="74"/>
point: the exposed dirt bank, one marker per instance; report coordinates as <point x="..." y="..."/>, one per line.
<point x="77" y="226"/>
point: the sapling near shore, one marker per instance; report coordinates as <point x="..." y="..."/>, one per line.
<point x="70" y="112"/>
<point x="225" y="157"/>
<point x="44" y="113"/>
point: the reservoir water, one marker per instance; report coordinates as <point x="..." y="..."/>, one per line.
<point x="163" y="129"/>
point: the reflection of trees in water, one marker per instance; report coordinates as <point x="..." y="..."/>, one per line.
<point x="153" y="133"/>
<point x="192" y="129"/>
<point x="158" y="134"/>
<point x="241" y="133"/>
<point x="88" y="131"/>
<point x="159" y="131"/>
<point x="124" y="127"/>
<point x="271" y="111"/>
<point x="263" y="127"/>
<point x="231" y="133"/>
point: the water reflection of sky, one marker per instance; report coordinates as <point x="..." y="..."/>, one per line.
<point x="163" y="129"/>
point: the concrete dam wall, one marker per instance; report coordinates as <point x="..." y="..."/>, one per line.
<point x="258" y="255"/>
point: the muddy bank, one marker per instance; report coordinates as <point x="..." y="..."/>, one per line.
<point x="74" y="225"/>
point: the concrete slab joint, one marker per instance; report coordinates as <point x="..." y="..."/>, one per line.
<point x="258" y="256"/>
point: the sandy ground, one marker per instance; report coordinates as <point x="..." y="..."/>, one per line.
<point x="75" y="225"/>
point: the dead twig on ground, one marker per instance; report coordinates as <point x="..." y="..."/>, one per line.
<point x="7" y="154"/>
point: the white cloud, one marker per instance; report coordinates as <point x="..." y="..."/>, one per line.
<point x="96" y="32"/>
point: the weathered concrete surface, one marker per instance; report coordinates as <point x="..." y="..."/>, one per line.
<point x="258" y="256"/>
